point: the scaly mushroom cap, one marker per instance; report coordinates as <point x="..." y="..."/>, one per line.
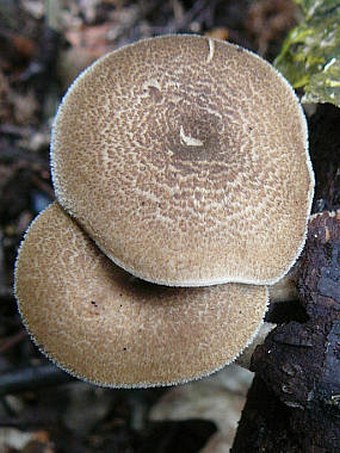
<point x="105" y="326"/>
<point x="185" y="159"/>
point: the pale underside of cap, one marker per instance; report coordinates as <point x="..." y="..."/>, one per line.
<point x="103" y="325"/>
<point x="185" y="159"/>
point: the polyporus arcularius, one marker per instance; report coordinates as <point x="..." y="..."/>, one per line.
<point x="194" y="154"/>
<point x="184" y="160"/>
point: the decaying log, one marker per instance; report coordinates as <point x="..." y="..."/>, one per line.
<point x="294" y="403"/>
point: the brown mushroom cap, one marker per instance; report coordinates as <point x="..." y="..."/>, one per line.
<point x="105" y="326"/>
<point x="185" y="159"/>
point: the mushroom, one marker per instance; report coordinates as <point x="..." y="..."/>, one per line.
<point x="103" y="325"/>
<point x="194" y="154"/>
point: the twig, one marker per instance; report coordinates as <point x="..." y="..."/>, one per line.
<point x="32" y="378"/>
<point x="8" y="343"/>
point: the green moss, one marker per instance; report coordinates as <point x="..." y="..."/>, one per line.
<point x="310" y="56"/>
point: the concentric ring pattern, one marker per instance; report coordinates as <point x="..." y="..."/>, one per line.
<point x="185" y="159"/>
